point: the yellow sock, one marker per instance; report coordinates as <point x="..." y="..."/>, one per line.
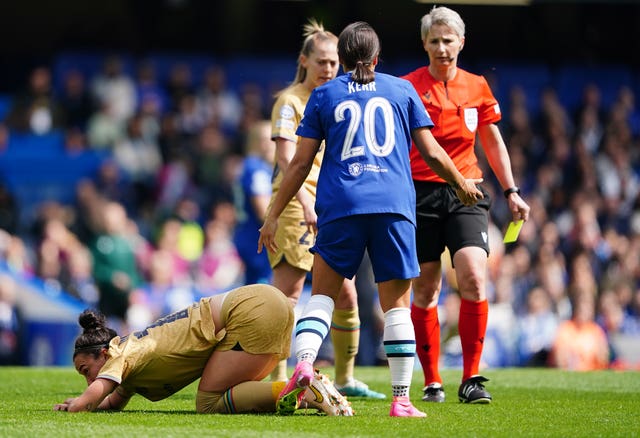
<point x="345" y="335"/>
<point x="279" y="373"/>
<point x="245" y="397"/>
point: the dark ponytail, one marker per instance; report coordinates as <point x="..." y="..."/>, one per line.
<point x="95" y="334"/>
<point x="358" y="46"/>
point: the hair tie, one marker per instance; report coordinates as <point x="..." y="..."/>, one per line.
<point x="90" y="348"/>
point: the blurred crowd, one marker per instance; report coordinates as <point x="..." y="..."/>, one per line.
<point x="153" y="229"/>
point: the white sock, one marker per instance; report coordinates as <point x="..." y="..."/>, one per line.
<point x="400" y="347"/>
<point x="313" y="326"/>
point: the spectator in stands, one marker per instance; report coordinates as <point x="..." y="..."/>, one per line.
<point x="76" y="99"/>
<point x="619" y="183"/>
<point x="552" y="274"/>
<point x="554" y="118"/>
<point x="55" y="245"/>
<point x="80" y="282"/>
<point x="501" y="337"/>
<point x="591" y="103"/>
<point x="536" y="329"/>
<point x="220" y="266"/>
<point x="580" y="343"/>
<point x="104" y="129"/>
<point x="190" y="238"/>
<point x="590" y="129"/>
<point x="190" y="117"/>
<point x="615" y="322"/>
<point x="180" y="84"/>
<point x="252" y="193"/>
<point x="115" y="267"/>
<point x="626" y="101"/>
<point x="168" y="239"/>
<point x="140" y="160"/>
<point x="220" y="104"/>
<point x="15" y="255"/>
<point x="9" y="322"/>
<point x="211" y="156"/>
<point x="36" y="110"/>
<point x="253" y="110"/>
<point x="149" y="92"/>
<point x="4" y="137"/>
<point x="171" y="141"/>
<point x="114" y="88"/>
<point x="161" y="295"/>
<point x="175" y="181"/>
<point x="75" y="142"/>
<point x="9" y="210"/>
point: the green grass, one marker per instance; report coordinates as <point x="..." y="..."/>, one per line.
<point x="527" y="402"/>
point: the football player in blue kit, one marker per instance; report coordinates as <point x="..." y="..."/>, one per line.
<point x="365" y="200"/>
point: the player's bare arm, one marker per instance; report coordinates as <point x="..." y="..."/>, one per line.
<point x="294" y="177"/>
<point x="498" y="158"/>
<point x="285" y="150"/>
<point x="90" y="399"/>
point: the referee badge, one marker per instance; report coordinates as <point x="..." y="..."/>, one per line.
<point x="471" y="118"/>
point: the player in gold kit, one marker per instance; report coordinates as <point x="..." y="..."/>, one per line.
<point x="230" y="341"/>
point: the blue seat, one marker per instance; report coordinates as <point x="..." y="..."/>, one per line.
<point x="5" y="105"/>
<point x="36" y="179"/>
<point x="271" y="74"/>
<point x="30" y="145"/>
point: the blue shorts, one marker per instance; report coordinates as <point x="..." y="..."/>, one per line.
<point x="390" y="240"/>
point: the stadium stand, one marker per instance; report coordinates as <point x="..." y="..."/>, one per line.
<point x="38" y="169"/>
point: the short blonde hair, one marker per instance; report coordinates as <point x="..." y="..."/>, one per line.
<point x="442" y="15"/>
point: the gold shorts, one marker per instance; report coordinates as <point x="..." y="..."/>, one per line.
<point x="258" y="318"/>
<point x="294" y="241"/>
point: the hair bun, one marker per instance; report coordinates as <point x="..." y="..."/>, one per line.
<point x="91" y="320"/>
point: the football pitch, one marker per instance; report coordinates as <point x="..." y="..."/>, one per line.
<point x="527" y="403"/>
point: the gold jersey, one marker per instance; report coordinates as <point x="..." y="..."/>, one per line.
<point x="285" y="117"/>
<point x="172" y="352"/>
<point x="166" y="356"/>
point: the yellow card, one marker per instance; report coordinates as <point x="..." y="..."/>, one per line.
<point x="513" y="231"/>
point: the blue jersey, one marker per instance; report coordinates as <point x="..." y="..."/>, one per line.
<point x="255" y="180"/>
<point x="367" y="132"/>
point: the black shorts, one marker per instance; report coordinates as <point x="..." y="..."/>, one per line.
<point x="444" y="221"/>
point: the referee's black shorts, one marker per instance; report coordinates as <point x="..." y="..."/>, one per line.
<point x="444" y="221"/>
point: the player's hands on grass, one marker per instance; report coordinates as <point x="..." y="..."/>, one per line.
<point x="267" y="237"/>
<point x="64" y="405"/>
<point x="467" y="191"/>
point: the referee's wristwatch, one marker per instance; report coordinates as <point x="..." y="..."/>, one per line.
<point x="511" y="190"/>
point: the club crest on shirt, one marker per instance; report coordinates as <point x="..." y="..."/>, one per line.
<point x="355" y="169"/>
<point x="287" y="112"/>
<point x="471" y="118"/>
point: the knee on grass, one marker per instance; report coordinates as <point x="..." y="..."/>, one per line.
<point x="210" y="403"/>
